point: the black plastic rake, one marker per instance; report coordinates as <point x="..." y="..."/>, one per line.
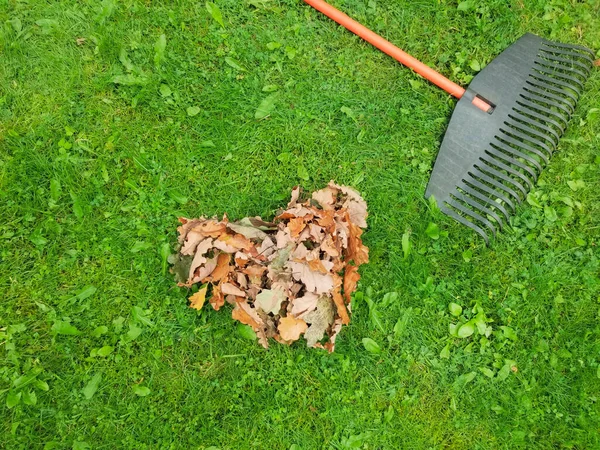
<point x="489" y="162"/>
<point x="505" y="127"/>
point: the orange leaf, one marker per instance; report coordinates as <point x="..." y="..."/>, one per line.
<point x="290" y="328"/>
<point x="240" y="314"/>
<point x="217" y="299"/>
<point x="339" y="300"/>
<point x="316" y="266"/>
<point x="197" y="300"/>
<point x="351" y="277"/>
<point x="223" y="268"/>
<point x="296" y="226"/>
<point x="356" y="250"/>
<point x="238" y="241"/>
<point x="211" y="228"/>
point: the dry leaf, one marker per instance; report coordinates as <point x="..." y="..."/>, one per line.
<point x="326" y="197"/>
<point x="222" y="268"/>
<point x="247" y="231"/>
<point x="230" y="289"/>
<point x="304" y="304"/>
<point x="357" y="252"/>
<point x="197" y="300"/>
<point x="351" y="277"/>
<point x="295" y="196"/>
<point x="237" y="241"/>
<point x="217" y="299"/>
<point x="269" y="300"/>
<point x="314" y="282"/>
<point x="290" y="328"/>
<point x="319" y="320"/>
<point x="339" y="300"/>
<point x="296" y="225"/>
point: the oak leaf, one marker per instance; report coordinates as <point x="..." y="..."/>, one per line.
<point x="269" y="300"/>
<point x="351" y="277"/>
<point x="217" y="299"/>
<point x="230" y="289"/>
<point x="291" y="328"/>
<point x="320" y="319"/>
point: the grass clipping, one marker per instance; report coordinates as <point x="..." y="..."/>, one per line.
<point x="286" y="279"/>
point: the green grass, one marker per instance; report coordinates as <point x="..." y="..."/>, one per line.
<point x="93" y="175"/>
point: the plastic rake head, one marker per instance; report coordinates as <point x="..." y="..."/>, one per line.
<point x="488" y="163"/>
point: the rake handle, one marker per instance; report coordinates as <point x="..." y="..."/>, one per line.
<point x="395" y="52"/>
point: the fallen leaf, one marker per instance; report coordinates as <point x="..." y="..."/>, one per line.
<point x="314" y="282"/>
<point x="339" y="300"/>
<point x="197" y="300"/>
<point x="249" y="232"/>
<point x="269" y="300"/>
<point x="295" y="196"/>
<point x="291" y="328"/>
<point x="237" y="241"/>
<point x="230" y="289"/>
<point x="217" y="299"/>
<point x="326" y="197"/>
<point x="304" y="304"/>
<point x="357" y="252"/>
<point x="319" y="320"/>
<point x="296" y="225"/>
<point x="222" y="267"/>
<point x="351" y="277"/>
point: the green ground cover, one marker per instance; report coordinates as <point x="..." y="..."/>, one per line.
<point x="116" y="118"/>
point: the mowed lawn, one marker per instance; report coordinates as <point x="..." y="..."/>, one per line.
<point x="117" y="117"/>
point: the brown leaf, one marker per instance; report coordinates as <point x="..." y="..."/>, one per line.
<point x="269" y="300"/>
<point x="357" y="252"/>
<point x="239" y="313"/>
<point x="197" y="300"/>
<point x="201" y="249"/>
<point x="304" y="304"/>
<point x="329" y="247"/>
<point x="314" y="282"/>
<point x="597" y="63"/>
<point x="290" y="328"/>
<point x="351" y="277"/>
<point x="222" y="268"/>
<point x="191" y="242"/>
<point x="230" y="289"/>
<point x="339" y="300"/>
<point x="326" y="197"/>
<point x="205" y="270"/>
<point x="296" y="225"/>
<point x="247" y="231"/>
<point x="316" y="265"/>
<point x="295" y="196"/>
<point x="241" y="259"/>
<point x="255" y="273"/>
<point x="320" y="319"/>
<point x="217" y="299"/>
<point x="211" y="228"/>
<point x="238" y="241"/>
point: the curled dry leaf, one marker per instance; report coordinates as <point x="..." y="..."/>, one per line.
<point x="291" y="328"/>
<point x="287" y="278"/>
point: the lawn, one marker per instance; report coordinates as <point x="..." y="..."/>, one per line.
<point x="118" y="117"/>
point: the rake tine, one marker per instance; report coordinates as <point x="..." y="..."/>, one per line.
<point x="500" y="165"/>
<point x="586" y="67"/>
<point x="528" y="102"/>
<point x="508" y="149"/>
<point x="469" y="212"/>
<point x="557" y="83"/>
<point x="519" y="133"/>
<point x="465" y="198"/>
<point x="547" y="96"/>
<point x="509" y="139"/>
<point x="486" y="171"/>
<point x="475" y="183"/>
<point x="485" y="199"/>
<point x="460" y="219"/>
<point x="530" y="114"/>
<point x="526" y="126"/>
<point x="560" y="74"/>
<point x="568" y="49"/>
<point x="512" y="161"/>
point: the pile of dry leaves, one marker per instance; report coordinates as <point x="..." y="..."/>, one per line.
<point x="285" y="279"/>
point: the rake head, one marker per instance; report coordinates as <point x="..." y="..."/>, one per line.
<point x="488" y="162"/>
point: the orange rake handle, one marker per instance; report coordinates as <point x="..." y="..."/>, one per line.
<point x="396" y="53"/>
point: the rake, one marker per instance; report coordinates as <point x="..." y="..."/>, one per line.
<point x="505" y="126"/>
